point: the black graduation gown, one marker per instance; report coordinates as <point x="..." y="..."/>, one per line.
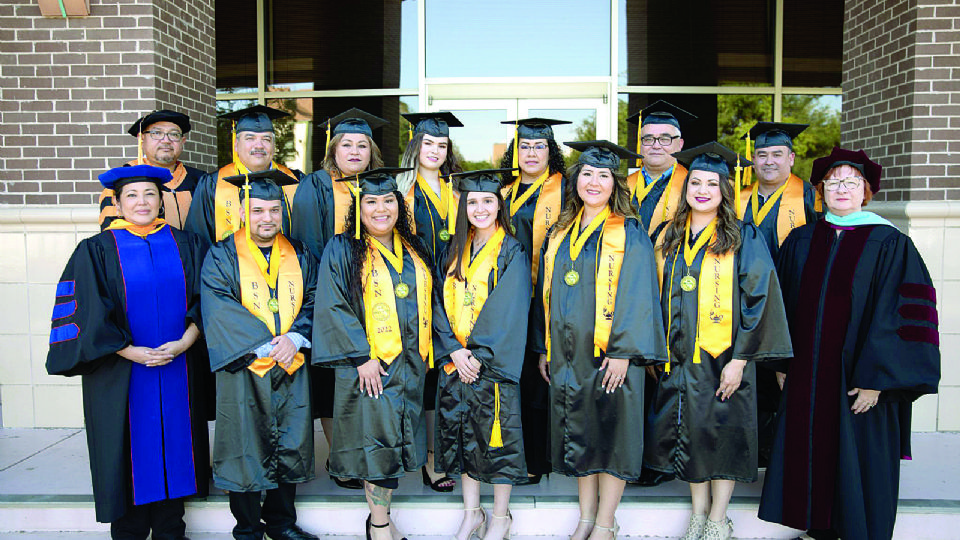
<point x="374" y="439"/>
<point x="867" y="300"/>
<point x="768" y="229"/>
<point x="534" y="392"/>
<point x="93" y="278"/>
<point x="592" y="431"/>
<point x="465" y="412"/>
<point x="313" y="211"/>
<point x="429" y="224"/>
<point x="202" y="216"/>
<point x="264" y="434"/>
<point x="715" y="439"/>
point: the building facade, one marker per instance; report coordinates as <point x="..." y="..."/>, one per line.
<point x="882" y="76"/>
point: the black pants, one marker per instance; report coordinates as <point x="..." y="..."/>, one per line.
<point x="822" y="534"/>
<point x="165" y="518"/>
<point x="277" y="511"/>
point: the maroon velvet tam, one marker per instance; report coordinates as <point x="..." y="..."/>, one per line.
<point x="858" y="160"/>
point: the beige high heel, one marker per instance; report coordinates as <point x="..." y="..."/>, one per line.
<point x="509" y="516"/>
<point x="591" y="522"/>
<point x="481" y="529"/>
<point x="614" y="530"/>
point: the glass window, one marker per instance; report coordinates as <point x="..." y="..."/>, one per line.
<point x="582" y="127"/>
<point x="482" y="142"/>
<point x="736" y="114"/>
<point x="660" y="43"/>
<point x="823" y="115"/>
<point x="304" y="51"/>
<point x="236" y="35"/>
<point x="812" y="42"/>
<point x="505" y="38"/>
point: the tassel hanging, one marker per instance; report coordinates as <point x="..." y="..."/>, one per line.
<point x="516" y="150"/>
<point x="496" y="437"/>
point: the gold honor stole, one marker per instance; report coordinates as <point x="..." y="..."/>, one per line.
<point x="341" y="203"/>
<point x="180" y="199"/>
<point x="609" y="262"/>
<point x="714" y="297"/>
<point x="257" y="279"/>
<point x="464" y="299"/>
<point x="380" y="301"/>
<point x="791" y="214"/>
<point x="227" y="199"/>
<point x="544" y="214"/>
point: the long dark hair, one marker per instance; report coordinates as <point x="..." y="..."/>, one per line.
<point x="411" y="158"/>
<point x="619" y="200"/>
<point x="358" y="246"/>
<point x="728" y="228"/>
<point x="462" y="236"/>
<point x="555" y="161"/>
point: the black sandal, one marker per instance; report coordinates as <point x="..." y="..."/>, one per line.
<point x="436" y="485"/>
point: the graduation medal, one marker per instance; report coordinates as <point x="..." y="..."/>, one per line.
<point x="401" y="290"/>
<point x="444" y="235"/>
<point x="688" y="283"/>
<point x="467" y="298"/>
<point x="273" y="305"/>
<point x="571" y="278"/>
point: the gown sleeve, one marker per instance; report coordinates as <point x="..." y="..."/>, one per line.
<point x="339" y="337"/>
<point x="536" y="331"/>
<point x="900" y="341"/>
<point x="89" y="323"/>
<point x="201" y="219"/>
<point x="308" y="215"/>
<point x="231" y="331"/>
<point x="444" y="340"/>
<point x="637" y="330"/>
<point x="763" y="333"/>
<point x="499" y="336"/>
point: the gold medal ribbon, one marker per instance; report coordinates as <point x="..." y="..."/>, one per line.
<point x="669" y="199"/>
<point x="445" y="204"/>
<point x="714" y="296"/>
<point x="285" y="277"/>
<point x="609" y="262"/>
<point x="227" y="199"/>
<point x="545" y="213"/>
<point x="380" y="302"/>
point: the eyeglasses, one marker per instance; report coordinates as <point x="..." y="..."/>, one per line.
<point x="664" y="140"/>
<point x="539" y="147"/>
<point x="158" y="135"/>
<point x="850" y="183"/>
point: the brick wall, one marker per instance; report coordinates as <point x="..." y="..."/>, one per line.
<point x="69" y="89"/>
<point x="901" y="94"/>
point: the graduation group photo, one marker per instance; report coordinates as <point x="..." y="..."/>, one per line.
<point x="603" y="284"/>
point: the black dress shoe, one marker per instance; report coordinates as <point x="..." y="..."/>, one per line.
<point x="651" y="478"/>
<point x="291" y="533"/>
<point x="345" y="483"/>
<point x="530" y="480"/>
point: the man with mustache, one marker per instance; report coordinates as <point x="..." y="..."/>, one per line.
<point x="215" y="212"/>
<point x="160" y="137"/>
<point x="778" y="202"/>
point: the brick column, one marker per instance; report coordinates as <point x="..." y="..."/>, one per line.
<point x="70" y="88"/>
<point x="901" y="94"/>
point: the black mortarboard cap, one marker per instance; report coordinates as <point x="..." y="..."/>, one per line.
<point x="662" y="112"/>
<point x="436" y="124"/>
<point x="258" y="119"/>
<point x="484" y="180"/>
<point x="377" y="181"/>
<point x="535" y="128"/>
<point x="765" y="134"/>
<point x="264" y="185"/>
<point x="181" y="120"/>
<point x="355" y="121"/>
<point x="118" y="177"/>
<point x="713" y="157"/>
<point x="601" y="153"/>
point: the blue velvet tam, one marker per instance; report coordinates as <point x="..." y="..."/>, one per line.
<point x="118" y="177"/>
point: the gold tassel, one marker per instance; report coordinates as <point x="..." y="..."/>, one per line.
<point x="233" y="144"/>
<point x="356" y="196"/>
<point x="451" y="215"/>
<point x="140" y="143"/>
<point x="246" y="205"/>
<point x="639" y="127"/>
<point x="496" y="437"/>
<point x="737" y="186"/>
<point x="516" y="150"/>
<point x="410" y="132"/>
<point x="748" y="173"/>
<point x="327" y="146"/>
